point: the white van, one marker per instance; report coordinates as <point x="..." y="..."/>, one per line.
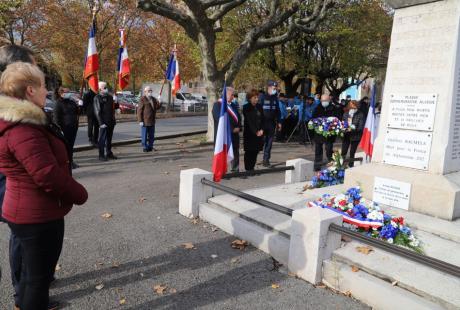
<point x="185" y="100"/>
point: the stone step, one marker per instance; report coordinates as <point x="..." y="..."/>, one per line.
<point x="434" y="286"/>
<point x="270" y="241"/>
<point x="372" y="290"/>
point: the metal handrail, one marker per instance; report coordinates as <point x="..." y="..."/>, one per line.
<point x="394" y="249"/>
<point x="256" y="172"/>
<point x="260" y="201"/>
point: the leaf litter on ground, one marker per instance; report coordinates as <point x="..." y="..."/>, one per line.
<point x="239" y="244"/>
<point x="188" y="246"/>
<point x="364" y="249"/>
<point x="106" y="215"/>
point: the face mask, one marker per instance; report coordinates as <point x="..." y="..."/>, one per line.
<point x="353" y="111"/>
<point x="104" y="91"/>
<point x="325" y="104"/>
<point x="273" y="91"/>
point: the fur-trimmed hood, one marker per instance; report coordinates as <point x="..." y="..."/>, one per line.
<point x="13" y="110"/>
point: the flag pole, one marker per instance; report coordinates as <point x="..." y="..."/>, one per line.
<point x="83" y="80"/>
<point x="162" y="86"/>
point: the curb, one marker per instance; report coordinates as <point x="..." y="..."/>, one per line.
<point x="138" y="140"/>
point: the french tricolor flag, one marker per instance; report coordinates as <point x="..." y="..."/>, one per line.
<point x="172" y="73"/>
<point x="124" y="68"/>
<point x="370" y="130"/>
<point x="92" y="60"/>
<point x="223" y="150"/>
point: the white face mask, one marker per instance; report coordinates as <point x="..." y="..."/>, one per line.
<point x="104" y="91"/>
<point x="353" y="111"/>
<point x="273" y="91"/>
<point x="325" y="104"/>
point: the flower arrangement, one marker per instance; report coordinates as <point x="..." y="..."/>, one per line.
<point x="367" y="217"/>
<point x="328" y="126"/>
<point x="332" y="175"/>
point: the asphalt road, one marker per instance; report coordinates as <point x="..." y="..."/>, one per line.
<point x="167" y="126"/>
<point x="139" y="246"/>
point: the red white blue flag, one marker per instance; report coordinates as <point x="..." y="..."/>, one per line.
<point x="124" y="67"/>
<point x="172" y="73"/>
<point x="370" y="130"/>
<point x="223" y="150"/>
<point x="92" y="61"/>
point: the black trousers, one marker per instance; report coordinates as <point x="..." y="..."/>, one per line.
<point x="70" y="134"/>
<point x="250" y="159"/>
<point x="236" y="151"/>
<point x="41" y="246"/>
<point x="93" y="129"/>
<point x="105" y="140"/>
<point x="319" y="153"/>
<point x="353" y="145"/>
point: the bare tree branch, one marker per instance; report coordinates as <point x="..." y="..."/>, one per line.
<point x="224" y="9"/>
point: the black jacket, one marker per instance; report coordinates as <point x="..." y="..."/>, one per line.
<point x="88" y="103"/>
<point x="253" y="122"/>
<point x="104" y="109"/>
<point x="359" y="122"/>
<point x="233" y="124"/>
<point x="272" y="113"/>
<point x="65" y="113"/>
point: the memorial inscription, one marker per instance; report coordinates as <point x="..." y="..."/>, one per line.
<point x="407" y="148"/>
<point x="391" y="193"/>
<point x="414" y="111"/>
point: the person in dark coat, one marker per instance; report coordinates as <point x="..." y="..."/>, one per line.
<point x="8" y="55"/>
<point x="93" y="126"/>
<point x="146" y="116"/>
<point x="356" y="121"/>
<point x="253" y="130"/>
<point x="325" y="109"/>
<point x="40" y="188"/>
<point x="65" y="115"/>
<point x="235" y="125"/>
<point x="272" y="118"/>
<point x="104" y="109"/>
<point x="364" y="106"/>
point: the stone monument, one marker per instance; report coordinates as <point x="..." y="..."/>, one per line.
<point x="416" y="158"/>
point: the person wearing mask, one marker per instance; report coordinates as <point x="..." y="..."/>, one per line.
<point x="355" y="119"/>
<point x="40" y="188"/>
<point x="317" y="99"/>
<point x="104" y="109"/>
<point x="146" y="116"/>
<point x="65" y="115"/>
<point x="272" y="119"/>
<point x="8" y="55"/>
<point x="364" y="106"/>
<point x="93" y="126"/>
<point x="325" y="109"/>
<point x="235" y="125"/>
<point x="253" y="130"/>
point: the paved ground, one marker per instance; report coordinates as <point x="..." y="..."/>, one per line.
<point x="140" y="245"/>
<point x="167" y="126"/>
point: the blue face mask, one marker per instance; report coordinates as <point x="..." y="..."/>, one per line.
<point x="273" y="91"/>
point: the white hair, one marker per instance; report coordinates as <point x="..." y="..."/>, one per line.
<point x="102" y="84"/>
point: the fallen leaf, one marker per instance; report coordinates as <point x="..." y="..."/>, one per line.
<point x="172" y="290"/>
<point x="320" y="286"/>
<point x="99" y="287"/>
<point x="166" y="172"/>
<point x="195" y="221"/>
<point x="58" y="267"/>
<point x="364" y="249"/>
<point x="159" y="289"/>
<point x="142" y="199"/>
<point x="214" y="256"/>
<point x="354" y="269"/>
<point x="100" y="264"/>
<point x="214" y="228"/>
<point x="235" y="260"/>
<point x="275" y="286"/>
<point x="115" y="265"/>
<point x="239" y="244"/>
<point x="183" y="166"/>
<point x="291" y="274"/>
<point x="122" y="301"/>
<point x="188" y="245"/>
<point x="347" y="293"/>
<point x="106" y="215"/>
<point x="394" y="283"/>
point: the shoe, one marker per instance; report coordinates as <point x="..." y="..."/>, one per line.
<point x="103" y="158"/>
<point x="266" y="163"/>
<point x="74" y="165"/>
<point x="111" y="156"/>
<point x="145" y="150"/>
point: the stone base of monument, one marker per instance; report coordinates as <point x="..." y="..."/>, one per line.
<point x="431" y="194"/>
<point x="304" y="245"/>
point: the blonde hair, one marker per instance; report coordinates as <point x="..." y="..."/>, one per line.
<point x="18" y="76"/>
